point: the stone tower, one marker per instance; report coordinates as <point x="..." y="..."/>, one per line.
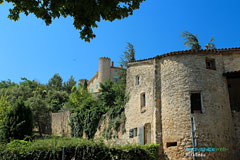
<point x="104" y="71"/>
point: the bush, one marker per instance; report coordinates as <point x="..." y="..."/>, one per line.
<point x="18" y="123"/>
<point x="80" y="149"/>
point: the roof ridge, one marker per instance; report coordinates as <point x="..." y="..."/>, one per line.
<point x="189" y="51"/>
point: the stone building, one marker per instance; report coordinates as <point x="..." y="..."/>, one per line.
<point x="105" y="71"/>
<point x="185" y="99"/>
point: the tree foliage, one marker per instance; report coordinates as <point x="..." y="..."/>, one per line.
<point x="5" y="107"/>
<point x="40" y="112"/>
<point x="18" y="123"/>
<point x="85" y="13"/>
<point x="128" y="55"/>
<point x="210" y="44"/>
<point x="67" y="86"/>
<point x="40" y="98"/>
<point x="87" y="111"/>
<point x="56" y="82"/>
<point x="191" y="40"/>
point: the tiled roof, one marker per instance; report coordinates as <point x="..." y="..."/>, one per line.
<point x="93" y="78"/>
<point x="192" y="52"/>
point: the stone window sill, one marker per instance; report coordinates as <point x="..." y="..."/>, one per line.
<point x="143" y="110"/>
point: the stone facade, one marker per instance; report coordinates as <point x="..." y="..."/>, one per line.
<point x="168" y="81"/>
<point x="60" y="124"/>
<point x="105" y="71"/>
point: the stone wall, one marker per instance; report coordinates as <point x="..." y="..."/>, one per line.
<point x="236" y="123"/>
<point x="135" y="117"/>
<point x="181" y="75"/>
<point x="60" y="124"/>
<point x="169" y="82"/>
<point x="231" y="61"/>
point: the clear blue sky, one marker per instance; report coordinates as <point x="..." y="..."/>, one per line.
<point x="29" y="48"/>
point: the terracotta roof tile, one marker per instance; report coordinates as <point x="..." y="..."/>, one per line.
<point x="191" y="52"/>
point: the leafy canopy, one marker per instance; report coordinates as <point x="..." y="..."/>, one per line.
<point x="4" y="109"/>
<point x="128" y="55"/>
<point x="191" y="40"/>
<point x="85" y="13"/>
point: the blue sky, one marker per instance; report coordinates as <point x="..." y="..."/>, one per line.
<point x="29" y="48"/>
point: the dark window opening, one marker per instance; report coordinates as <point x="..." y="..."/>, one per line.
<point x="196" y="105"/>
<point x="210" y="64"/>
<point x="171" y="144"/>
<point x="234" y="93"/>
<point x="143" y="101"/>
<point x="135" y="132"/>
<point x="137" y="80"/>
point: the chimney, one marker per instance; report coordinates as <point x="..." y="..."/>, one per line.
<point x="112" y="64"/>
<point x="121" y="66"/>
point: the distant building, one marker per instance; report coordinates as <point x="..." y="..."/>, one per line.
<point x="106" y="70"/>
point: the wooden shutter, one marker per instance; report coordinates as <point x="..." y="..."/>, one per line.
<point x="141" y="135"/>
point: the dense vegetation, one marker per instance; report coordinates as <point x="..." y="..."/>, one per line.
<point x="27" y="105"/>
<point x="73" y="148"/>
<point x="87" y="111"/>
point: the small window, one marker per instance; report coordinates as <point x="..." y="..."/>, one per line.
<point x="171" y="144"/>
<point x="135" y="132"/>
<point x="137" y="80"/>
<point x="115" y="78"/>
<point x="97" y="86"/>
<point x="131" y="133"/>
<point x="143" y="101"/>
<point x="210" y="64"/>
<point x="196" y="104"/>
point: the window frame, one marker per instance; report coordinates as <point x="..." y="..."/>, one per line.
<point x="212" y="64"/>
<point x="115" y="79"/>
<point x="143" y="102"/>
<point x="137" y="80"/>
<point x="201" y="101"/>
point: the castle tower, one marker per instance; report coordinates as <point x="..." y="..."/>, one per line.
<point x="104" y="71"/>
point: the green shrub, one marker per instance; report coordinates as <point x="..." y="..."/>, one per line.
<point x="80" y="149"/>
<point x="18" y="123"/>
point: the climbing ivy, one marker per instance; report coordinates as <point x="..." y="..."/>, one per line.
<point x="88" y="113"/>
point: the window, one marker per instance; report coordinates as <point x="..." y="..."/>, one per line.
<point x="210" y="64"/>
<point x="196" y="104"/>
<point x="143" y="102"/>
<point x="91" y="90"/>
<point x="135" y="132"/>
<point x="137" y="80"/>
<point x="115" y="78"/>
<point x="97" y="86"/>
<point x="171" y="144"/>
<point x="132" y="132"/>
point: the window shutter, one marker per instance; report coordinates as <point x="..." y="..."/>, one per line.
<point x="131" y="133"/>
<point x="141" y="135"/>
